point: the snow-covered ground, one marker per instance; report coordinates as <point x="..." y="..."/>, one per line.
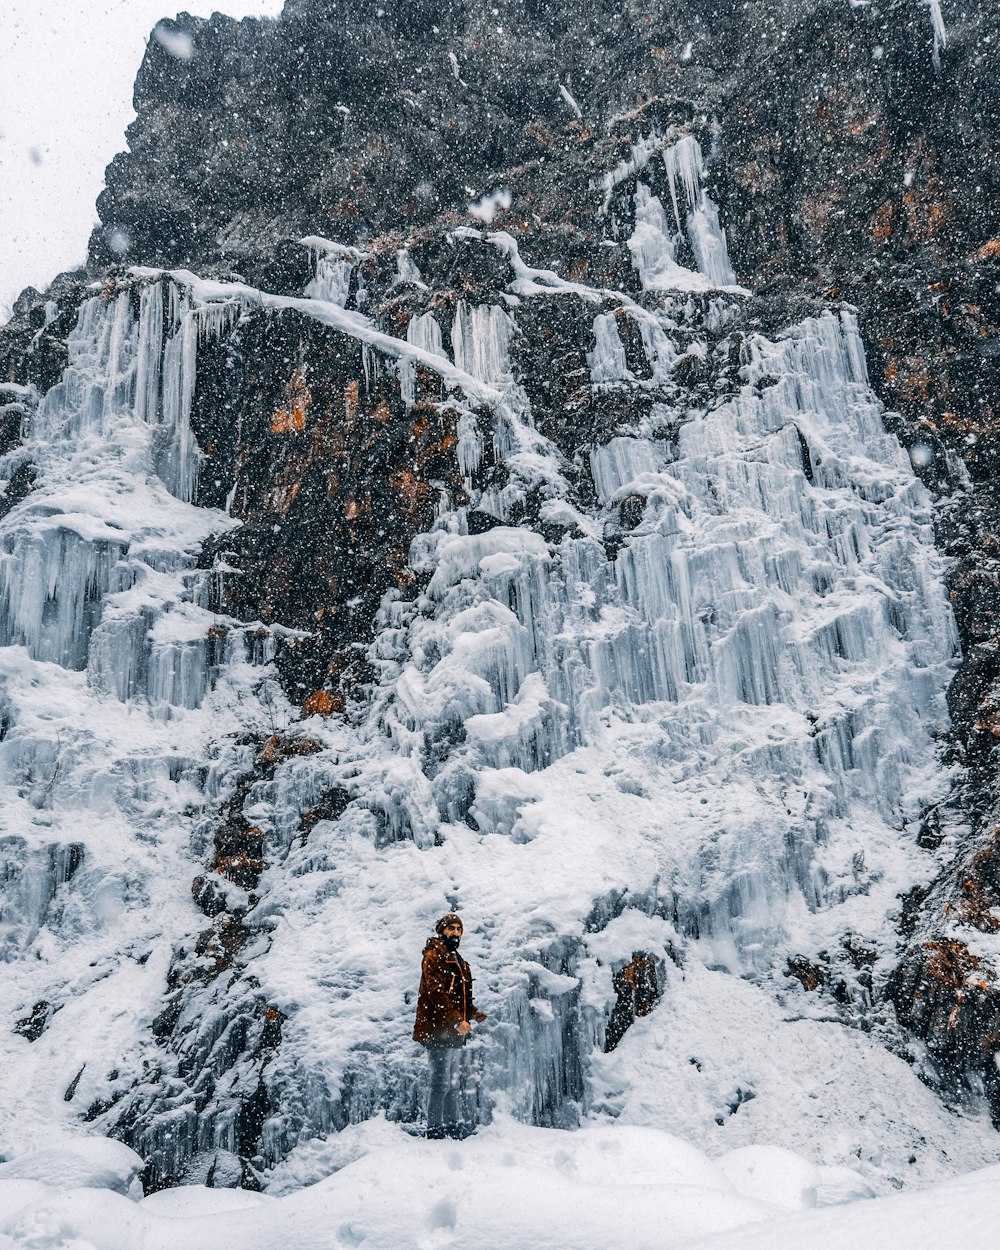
<point x="510" y="1188"/>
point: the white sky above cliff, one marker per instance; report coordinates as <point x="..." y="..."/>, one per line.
<point x="66" y="74"/>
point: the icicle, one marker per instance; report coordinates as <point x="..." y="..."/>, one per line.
<point x="424" y="333"/>
<point x="684" y="163"/>
<point x="149" y="354"/>
<point x="708" y="243"/>
<point x="607" y="360"/>
<point x="216" y="320"/>
<point x="642" y="152"/>
<point x="332" y="281"/>
<point x="480" y="336"/>
<point x="334" y="266"/>
<point x="51" y="587"/>
<point x="406" y="270"/>
<point x="571" y="102"/>
<point x="179" y="460"/>
<point x="470" y="445"/>
<point x="940" y="33"/>
<point x="695" y="683"/>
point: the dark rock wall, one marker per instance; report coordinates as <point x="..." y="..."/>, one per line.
<point x="331" y="478"/>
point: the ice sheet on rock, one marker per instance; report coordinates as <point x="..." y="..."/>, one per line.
<point x="607" y="360"/>
<point x="654" y="242"/>
<point x="685" y="166"/>
<point x="51" y="589"/>
<point x="708" y="243"/>
<point x="407" y="270"/>
<point x="510" y="738"/>
<point x="110" y="441"/>
<point x="660" y="350"/>
<point x="106" y="652"/>
<point x="424" y="332"/>
<point x="618" y="464"/>
<point x="653" y="248"/>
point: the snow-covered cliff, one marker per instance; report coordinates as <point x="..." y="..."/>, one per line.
<point x="538" y="571"/>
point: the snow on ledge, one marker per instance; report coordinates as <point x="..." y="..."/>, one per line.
<point x="319" y="244"/>
<point x="346" y="321"/>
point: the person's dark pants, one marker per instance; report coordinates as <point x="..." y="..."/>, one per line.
<point x="447" y="1115"/>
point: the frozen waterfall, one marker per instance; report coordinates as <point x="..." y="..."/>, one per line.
<point x="724" y="731"/>
<point x="677" y="696"/>
<point x="116" y="682"/>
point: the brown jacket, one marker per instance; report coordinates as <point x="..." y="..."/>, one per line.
<point x="445" y="997"/>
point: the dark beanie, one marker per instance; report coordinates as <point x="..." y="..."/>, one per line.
<point x="451" y="918"/>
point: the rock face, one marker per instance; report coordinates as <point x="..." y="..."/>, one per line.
<point x="477" y="479"/>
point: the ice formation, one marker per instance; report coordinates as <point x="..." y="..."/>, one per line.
<point x="939" y="29"/>
<point x="109" y="667"/>
<point x="335" y="265"/>
<point x="654" y="242"/>
<point x="689" y="709"/>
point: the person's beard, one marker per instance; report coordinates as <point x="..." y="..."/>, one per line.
<point x="452" y="943"/>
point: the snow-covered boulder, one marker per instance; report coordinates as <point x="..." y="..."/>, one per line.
<point x="78" y="1162"/>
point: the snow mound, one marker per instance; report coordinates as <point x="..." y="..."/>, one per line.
<point x="84" y="1162"/>
<point x="509" y="1188"/>
<point x="188" y="1201"/>
<point x="778" y="1176"/>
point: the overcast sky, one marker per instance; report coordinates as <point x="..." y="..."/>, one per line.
<point x="66" y="74"/>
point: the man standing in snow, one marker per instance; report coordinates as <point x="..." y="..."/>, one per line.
<point x="445" y="1012"/>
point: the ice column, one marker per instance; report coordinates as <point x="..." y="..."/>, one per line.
<point x="654" y="244"/>
<point x="480" y="337"/>
<point x="422" y="332"/>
